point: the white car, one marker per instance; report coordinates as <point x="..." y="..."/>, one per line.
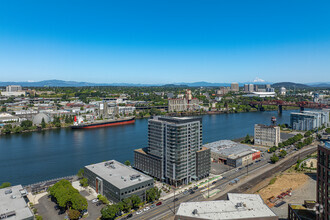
<point x="95" y="200"/>
<point x="139" y="212"/>
<point x="146" y="209"/>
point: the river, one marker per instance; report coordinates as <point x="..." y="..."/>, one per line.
<point x="36" y="156"/>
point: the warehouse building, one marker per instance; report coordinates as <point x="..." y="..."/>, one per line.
<point x="232" y="153"/>
<point x="267" y="135"/>
<point x="117" y="181"/>
<point x="13" y="204"/>
<point x="238" y="206"/>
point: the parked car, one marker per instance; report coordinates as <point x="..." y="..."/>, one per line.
<point x="192" y="192"/>
<point x="139" y="212"/>
<point x="152" y="206"/>
<point x="62" y="211"/>
<point x="130" y="215"/>
<point x="99" y="203"/>
<point x="195" y="188"/>
<point x="176" y="199"/>
<point x="95" y="200"/>
<point x="159" y="203"/>
<point x="214" y="182"/>
<point x="146" y="209"/>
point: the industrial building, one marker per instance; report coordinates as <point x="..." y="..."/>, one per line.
<point x="260" y="94"/>
<point x="232" y="153"/>
<point x="267" y="135"/>
<point x="308" y="120"/>
<point x="174" y="153"/>
<point x="238" y="207"/>
<point x="323" y="181"/>
<point x="13" y="204"/>
<point x="117" y="181"/>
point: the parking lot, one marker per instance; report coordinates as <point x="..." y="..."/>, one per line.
<point x="47" y="211"/>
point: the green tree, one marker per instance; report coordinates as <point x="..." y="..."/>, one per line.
<point x="127" y="204"/>
<point x="26" y="124"/>
<point x="83" y="182"/>
<point x="283" y="153"/>
<point x="135" y="201"/>
<point x="38" y="217"/>
<point x="153" y="194"/>
<point x="43" y="123"/>
<point x="74" y="214"/>
<point x="274" y="158"/>
<point x="81" y="173"/>
<point x="127" y="163"/>
<point x="78" y="202"/>
<point x="5" y="185"/>
<point x="109" y="211"/>
<point x="7" y="129"/>
<point x="103" y="199"/>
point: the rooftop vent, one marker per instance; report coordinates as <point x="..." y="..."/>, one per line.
<point x="195" y="212"/>
<point x="134" y="176"/>
<point x="239" y="205"/>
<point x="8" y="191"/>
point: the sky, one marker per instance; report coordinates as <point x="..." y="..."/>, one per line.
<point x="165" y="41"/>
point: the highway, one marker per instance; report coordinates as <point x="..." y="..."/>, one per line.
<point x="167" y="208"/>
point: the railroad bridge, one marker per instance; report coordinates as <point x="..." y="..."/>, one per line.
<point x="280" y="103"/>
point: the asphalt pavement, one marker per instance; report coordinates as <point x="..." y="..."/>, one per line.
<point x="169" y="208"/>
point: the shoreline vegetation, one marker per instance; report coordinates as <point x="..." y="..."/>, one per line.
<point x="27" y="126"/>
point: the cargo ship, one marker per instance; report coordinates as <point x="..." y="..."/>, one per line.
<point x="80" y="124"/>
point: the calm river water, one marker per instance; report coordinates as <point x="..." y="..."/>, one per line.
<point x="32" y="157"/>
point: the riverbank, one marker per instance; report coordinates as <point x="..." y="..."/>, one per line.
<point x="174" y="114"/>
<point x="35" y="156"/>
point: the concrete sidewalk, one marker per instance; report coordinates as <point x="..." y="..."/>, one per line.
<point x="199" y="184"/>
<point x="259" y="172"/>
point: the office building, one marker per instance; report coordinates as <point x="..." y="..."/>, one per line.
<point x="117" y="181"/>
<point x="308" y="120"/>
<point x="323" y="181"/>
<point x="231" y="153"/>
<point x="13" y="90"/>
<point x="234" y="87"/>
<point x="251" y="88"/>
<point x="13" y="204"/>
<point x="267" y="135"/>
<point x="174" y="153"/>
<point x="246" y="88"/>
<point x="237" y="207"/>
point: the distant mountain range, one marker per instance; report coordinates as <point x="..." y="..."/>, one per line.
<point x="62" y="83"/>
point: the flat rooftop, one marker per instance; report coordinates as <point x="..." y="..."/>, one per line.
<point x="12" y="203"/>
<point x="230" y="149"/>
<point x="176" y="120"/>
<point x="238" y="206"/>
<point x="118" y="174"/>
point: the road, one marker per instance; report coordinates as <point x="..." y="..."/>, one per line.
<point x="167" y="208"/>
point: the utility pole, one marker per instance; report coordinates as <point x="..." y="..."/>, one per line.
<point x="247" y="170"/>
<point x="208" y="187"/>
<point x="174" y="196"/>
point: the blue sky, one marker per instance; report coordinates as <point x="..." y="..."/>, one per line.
<point x="165" y="41"/>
